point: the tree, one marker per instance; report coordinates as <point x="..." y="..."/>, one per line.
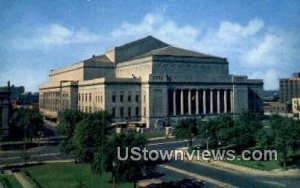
<point x="128" y="170"/>
<point x="245" y="129"/>
<point x="215" y="131"/>
<point x="31" y="122"/>
<point x="66" y="126"/>
<point x="286" y="133"/>
<point x="264" y="138"/>
<point x="90" y="134"/>
<point x="187" y="129"/>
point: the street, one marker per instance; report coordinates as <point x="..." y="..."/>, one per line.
<point x="236" y="179"/>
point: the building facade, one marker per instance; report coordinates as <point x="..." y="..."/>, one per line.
<point x="151" y="83"/>
<point x="289" y="88"/>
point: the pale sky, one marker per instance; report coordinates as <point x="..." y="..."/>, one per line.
<point x="259" y="38"/>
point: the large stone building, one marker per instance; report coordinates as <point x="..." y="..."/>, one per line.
<point x="151" y="83"/>
<point x="289" y="88"/>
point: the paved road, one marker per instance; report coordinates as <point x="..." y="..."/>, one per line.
<point x="227" y="176"/>
<point x="231" y="177"/>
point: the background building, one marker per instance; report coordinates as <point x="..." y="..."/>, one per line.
<point x="16" y="91"/>
<point x="4" y="109"/>
<point x="289" y="88"/>
<point x="150" y="83"/>
<point x="296" y="107"/>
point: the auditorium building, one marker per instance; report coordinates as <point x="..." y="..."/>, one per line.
<point x="150" y="83"/>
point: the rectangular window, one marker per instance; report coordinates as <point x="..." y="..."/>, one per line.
<point x="137" y="111"/>
<point x="101" y="99"/>
<point x="113" y="98"/>
<point x="144" y="111"/>
<point x="121" y="98"/>
<point x="144" y="98"/>
<point x="129" y="98"/>
<point x="86" y="97"/>
<point x="137" y="98"/>
<point x="90" y="98"/>
<point x="121" y="112"/>
<point x="129" y="112"/>
<point x="90" y="110"/>
<point x="113" y="112"/>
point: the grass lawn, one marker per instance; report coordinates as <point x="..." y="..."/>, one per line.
<point x="259" y="165"/>
<point x="154" y="134"/>
<point x="9" y="181"/>
<point x="61" y="175"/>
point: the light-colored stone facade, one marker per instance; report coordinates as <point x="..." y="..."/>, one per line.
<point x="151" y="83"/>
<point x="296" y="107"/>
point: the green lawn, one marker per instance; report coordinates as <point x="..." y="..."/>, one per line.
<point x="154" y="134"/>
<point x="9" y="181"/>
<point x="61" y="175"/>
<point x="259" y="165"/>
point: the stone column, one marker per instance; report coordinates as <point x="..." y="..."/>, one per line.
<point x="204" y="101"/>
<point x="231" y="101"/>
<point x="5" y="113"/>
<point x="181" y="103"/>
<point x="218" y="102"/>
<point x="174" y="102"/>
<point x="197" y="101"/>
<point x="225" y="101"/>
<point x="189" y="102"/>
<point x="211" y="101"/>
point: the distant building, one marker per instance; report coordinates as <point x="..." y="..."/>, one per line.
<point x="290" y="88"/>
<point x="28" y="98"/>
<point x="296" y="107"/>
<point x="275" y="107"/>
<point x="150" y="83"/>
<point x="16" y="92"/>
<point x="4" y="109"/>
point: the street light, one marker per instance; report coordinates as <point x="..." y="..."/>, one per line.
<point x="113" y="175"/>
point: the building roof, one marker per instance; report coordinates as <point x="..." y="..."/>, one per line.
<point x="174" y="51"/>
<point x="99" y="58"/>
<point x="143" y="41"/>
<point x="146" y="47"/>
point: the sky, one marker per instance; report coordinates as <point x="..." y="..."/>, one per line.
<point x="260" y="38"/>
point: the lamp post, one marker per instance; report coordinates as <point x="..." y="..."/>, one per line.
<point x="113" y="175"/>
<point x="206" y="139"/>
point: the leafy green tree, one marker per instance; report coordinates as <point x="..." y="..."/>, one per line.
<point x="285" y="132"/>
<point x="224" y="127"/>
<point x="127" y="170"/>
<point x="66" y="126"/>
<point x="30" y="121"/>
<point x="187" y="129"/>
<point x="245" y="130"/>
<point x="218" y="130"/>
<point x="264" y="138"/>
<point x="89" y="135"/>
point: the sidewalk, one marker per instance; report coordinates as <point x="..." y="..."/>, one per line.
<point x="22" y="180"/>
<point x="161" y="138"/>
<point x="246" y="170"/>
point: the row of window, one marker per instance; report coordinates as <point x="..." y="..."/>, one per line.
<point x="129" y="98"/>
<point x="89" y="109"/>
<point x="87" y="97"/>
<point x="121" y="113"/>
